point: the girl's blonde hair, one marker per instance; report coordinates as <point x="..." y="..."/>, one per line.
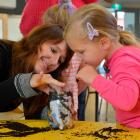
<point x="59" y="14"/>
<point x="101" y="20"/>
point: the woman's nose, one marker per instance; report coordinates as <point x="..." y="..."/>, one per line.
<point x="55" y="60"/>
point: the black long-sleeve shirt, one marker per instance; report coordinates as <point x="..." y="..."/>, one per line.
<point x="12" y="89"/>
<point x="8" y="95"/>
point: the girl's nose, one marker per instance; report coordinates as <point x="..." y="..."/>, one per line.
<point x="79" y="55"/>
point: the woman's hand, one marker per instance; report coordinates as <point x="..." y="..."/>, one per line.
<point x="87" y="74"/>
<point x="44" y="81"/>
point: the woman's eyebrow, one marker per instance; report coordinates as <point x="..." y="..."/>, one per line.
<point x="58" y="48"/>
<point x="77" y="50"/>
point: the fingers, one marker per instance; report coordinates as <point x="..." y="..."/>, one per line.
<point x="44" y="89"/>
<point x="40" y="76"/>
<point x="87" y="74"/>
<point x="48" y="79"/>
<point x="78" y="77"/>
<point x="41" y="73"/>
<point x="57" y="83"/>
<point x="42" y="79"/>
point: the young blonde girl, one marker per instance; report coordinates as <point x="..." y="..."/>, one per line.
<point x="92" y="33"/>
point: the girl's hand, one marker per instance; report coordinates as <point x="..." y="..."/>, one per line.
<point x="44" y="81"/>
<point x="87" y="74"/>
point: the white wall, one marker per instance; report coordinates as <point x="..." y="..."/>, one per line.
<point x="125" y="3"/>
<point x="13" y="27"/>
<point x="8" y="3"/>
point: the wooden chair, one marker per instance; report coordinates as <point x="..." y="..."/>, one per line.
<point x="91" y="107"/>
<point x="3" y="26"/>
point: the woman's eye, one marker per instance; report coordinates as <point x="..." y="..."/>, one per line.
<point x="60" y="61"/>
<point x="53" y="50"/>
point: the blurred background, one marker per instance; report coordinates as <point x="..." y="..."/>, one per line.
<point x="126" y="11"/>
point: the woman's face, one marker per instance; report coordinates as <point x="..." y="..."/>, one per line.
<point x="50" y="56"/>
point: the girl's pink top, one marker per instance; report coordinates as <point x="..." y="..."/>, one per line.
<point x="122" y="86"/>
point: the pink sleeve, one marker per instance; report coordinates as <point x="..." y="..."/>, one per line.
<point x="123" y="90"/>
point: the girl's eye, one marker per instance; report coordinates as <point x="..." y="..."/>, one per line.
<point x="81" y="52"/>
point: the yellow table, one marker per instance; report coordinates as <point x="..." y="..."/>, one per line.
<point x="39" y="130"/>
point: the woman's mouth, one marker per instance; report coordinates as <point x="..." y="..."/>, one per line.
<point x="46" y="66"/>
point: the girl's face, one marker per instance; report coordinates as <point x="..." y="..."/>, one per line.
<point x="50" y="56"/>
<point x="89" y="51"/>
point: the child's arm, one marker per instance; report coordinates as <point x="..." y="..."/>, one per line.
<point x="122" y="91"/>
<point x="122" y="95"/>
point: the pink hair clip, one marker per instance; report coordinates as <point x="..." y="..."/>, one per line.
<point x="91" y="31"/>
